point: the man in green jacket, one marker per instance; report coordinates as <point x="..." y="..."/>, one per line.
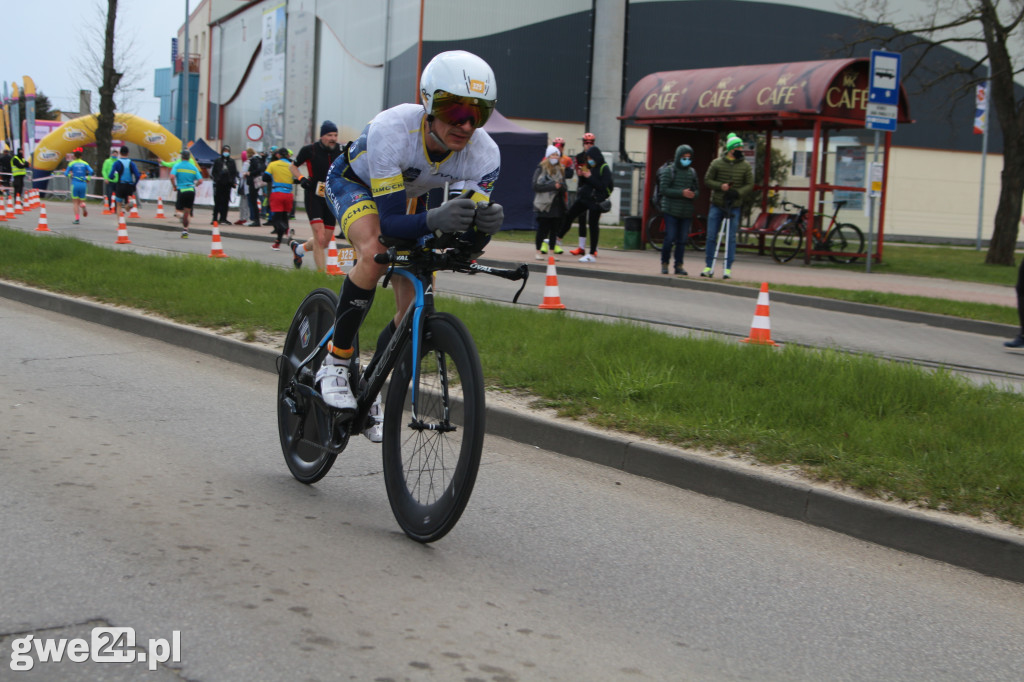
<point x="730" y="179"/>
<point x="677" y="187"/>
<point x="108" y="186"/>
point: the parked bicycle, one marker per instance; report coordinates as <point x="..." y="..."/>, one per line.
<point x="844" y="241"/>
<point x="695" y="239"/>
<point x="434" y="410"/>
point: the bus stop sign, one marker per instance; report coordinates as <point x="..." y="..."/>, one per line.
<point x="883" y="91"/>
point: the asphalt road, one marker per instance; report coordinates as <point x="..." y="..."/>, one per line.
<point x="144" y="488"/>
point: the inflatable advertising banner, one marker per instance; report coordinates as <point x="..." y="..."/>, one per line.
<point x="81" y="131"/>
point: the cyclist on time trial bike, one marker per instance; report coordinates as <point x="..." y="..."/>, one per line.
<point x="401" y="154"/>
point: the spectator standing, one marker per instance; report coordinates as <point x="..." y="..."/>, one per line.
<point x="730" y="179"/>
<point x="185" y="177"/>
<point x="225" y="177"/>
<point x="79" y="172"/>
<point x="254" y="186"/>
<point x="316" y="158"/>
<point x="549" y="201"/>
<point x="5" y="170"/>
<point x="678" y="187"/>
<point x="1018" y="341"/>
<point x="243" y="199"/>
<point x="125" y="174"/>
<point x="108" y="186"/>
<point x="595" y="184"/>
<point x="18" y="170"/>
<point x="280" y="179"/>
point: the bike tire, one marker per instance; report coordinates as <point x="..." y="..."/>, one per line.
<point x="430" y="469"/>
<point x="656" y="231"/>
<point x="845" y="238"/>
<point x="309" y="439"/>
<point x="787" y="241"/>
<point x="698" y="236"/>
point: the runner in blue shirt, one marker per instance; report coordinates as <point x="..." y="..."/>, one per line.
<point x="185" y="177"/>
<point x="79" y="172"/>
<point x="126" y="175"/>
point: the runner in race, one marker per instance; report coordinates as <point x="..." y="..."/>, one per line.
<point x="185" y="177"/>
<point x="316" y="158"/>
<point x="401" y="154"/>
<point x="79" y="172"/>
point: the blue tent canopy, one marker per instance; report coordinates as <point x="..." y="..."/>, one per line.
<point x="202" y="152"/>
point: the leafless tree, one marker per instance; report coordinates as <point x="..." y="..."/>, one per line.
<point x="108" y="69"/>
<point x="986" y="30"/>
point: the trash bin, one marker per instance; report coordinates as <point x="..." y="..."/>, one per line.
<point x="631" y="235"/>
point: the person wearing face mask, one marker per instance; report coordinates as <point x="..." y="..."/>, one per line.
<point x="731" y="180"/>
<point x="678" y="187"/>
<point x="225" y="177"/>
<point x="549" y="201"/>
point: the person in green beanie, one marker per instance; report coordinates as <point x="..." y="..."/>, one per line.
<point x="730" y="179"/>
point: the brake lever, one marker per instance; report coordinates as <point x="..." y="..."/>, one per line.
<point x="523" y="271"/>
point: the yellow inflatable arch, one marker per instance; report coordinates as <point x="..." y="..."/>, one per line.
<point x="81" y="131"/>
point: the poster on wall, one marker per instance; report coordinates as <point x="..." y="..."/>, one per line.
<point x="272" y="65"/>
<point x="850" y="172"/>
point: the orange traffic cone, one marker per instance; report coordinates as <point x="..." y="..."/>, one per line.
<point x="552" y="300"/>
<point x="43" y="225"/>
<point x="18" y="210"/>
<point x="122" y="232"/>
<point x="761" y="327"/>
<point x="135" y="208"/>
<point x="332" y="260"/>
<point x="159" y="208"/>
<point x="216" y="249"/>
<point x="36" y="201"/>
<point x="3" y="211"/>
<point x="107" y="208"/>
<point x="10" y="207"/>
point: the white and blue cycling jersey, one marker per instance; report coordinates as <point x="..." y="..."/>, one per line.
<point x="389" y="164"/>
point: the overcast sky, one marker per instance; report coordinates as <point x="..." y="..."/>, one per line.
<point x="46" y="52"/>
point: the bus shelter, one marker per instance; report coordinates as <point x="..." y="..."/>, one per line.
<point x="697" y="106"/>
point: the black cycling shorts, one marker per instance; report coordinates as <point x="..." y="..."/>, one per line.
<point x="316" y="209"/>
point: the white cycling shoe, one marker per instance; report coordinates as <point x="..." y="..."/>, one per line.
<point x="334" y="384"/>
<point x="375" y="432"/>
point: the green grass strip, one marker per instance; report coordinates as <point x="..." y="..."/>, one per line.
<point x="891" y="430"/>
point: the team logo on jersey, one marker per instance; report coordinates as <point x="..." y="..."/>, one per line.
<point x="487" y="183"/>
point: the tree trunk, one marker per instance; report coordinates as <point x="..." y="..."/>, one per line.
<point x="1011" y="120"/>
<point x="111" y="79"/>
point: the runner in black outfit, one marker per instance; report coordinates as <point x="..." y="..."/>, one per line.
<point x="316" y="158"/>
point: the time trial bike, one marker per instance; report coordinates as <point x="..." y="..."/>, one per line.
<point x="434" y="408"/>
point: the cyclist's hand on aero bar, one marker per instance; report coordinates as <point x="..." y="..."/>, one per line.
<point x="489" y="217"/>
<point x="454" y="215"/>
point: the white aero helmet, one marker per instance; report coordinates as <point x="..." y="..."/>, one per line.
<point x="457" y="86"/>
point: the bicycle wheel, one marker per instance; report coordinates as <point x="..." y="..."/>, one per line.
<point x="431" y="458"/>
<point x="656" y="231"/>
<point x="698" y="236"/>
<point x="787" y="241"/>
<point x="845" y="238"/>
<point x="306" y="428"/>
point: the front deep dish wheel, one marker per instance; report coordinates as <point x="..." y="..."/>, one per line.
<point x="845" y="238"/>
<point x="431" y="457"/>
<point x="306" y="428"/>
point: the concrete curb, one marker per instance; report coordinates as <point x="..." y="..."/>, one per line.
<point x="989" y="552"/>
